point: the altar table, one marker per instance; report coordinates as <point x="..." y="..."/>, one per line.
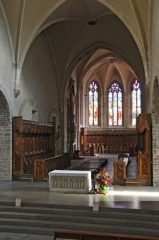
<point x="70" y="181"/>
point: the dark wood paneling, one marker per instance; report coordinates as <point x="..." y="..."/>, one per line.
<point x="144" y="128"/>
<point x="34" y="149"/>
<point x="113" y="141"/>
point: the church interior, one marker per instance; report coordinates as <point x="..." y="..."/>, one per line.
<point x="79" y="90"/>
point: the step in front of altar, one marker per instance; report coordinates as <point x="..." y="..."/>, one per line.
<point x="132" y="182"/>
<point x="73" y="181"/>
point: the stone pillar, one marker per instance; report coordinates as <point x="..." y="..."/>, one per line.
<point x="155" y="148"/>
<point x="126" y="113"/>
<point x="5" y="140"/>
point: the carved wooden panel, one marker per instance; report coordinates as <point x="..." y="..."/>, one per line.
<point x="145" y="149"/>
<point x="110" y="141"/>
<point x="82" y="141"/>
<point x="119" y="172"/>
<point x="31" y="140"/>
<point x="18" y="154"/>
<point x="144" y="169"/>
<point x="39" y="169"/>
<point x="143" y="122"/>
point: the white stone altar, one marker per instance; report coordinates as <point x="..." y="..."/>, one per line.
<point x="70" y="181"/>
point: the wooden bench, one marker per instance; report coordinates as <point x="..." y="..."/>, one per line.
<point x="89" y="235"/>
<point x="43" y="166"/>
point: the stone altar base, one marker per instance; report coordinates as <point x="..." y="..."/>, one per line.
<point x="70" y="181"/>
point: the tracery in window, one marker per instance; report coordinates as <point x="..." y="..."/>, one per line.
<point x="115" y="105"/>
<point x="93" y="104"/>
<point x="136" y="101"/>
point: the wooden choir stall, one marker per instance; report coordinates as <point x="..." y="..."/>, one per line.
<point x="114" y="141"/>
<point x="144" y="130"/>
<point x="144" y="155"/>
<point x="33" y="146"/>
<point x="120" y="167"/>
<point x="111" y="141"/>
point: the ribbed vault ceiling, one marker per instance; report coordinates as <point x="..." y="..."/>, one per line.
<point x="79" y="30"/>
<point x="88" y="30"/>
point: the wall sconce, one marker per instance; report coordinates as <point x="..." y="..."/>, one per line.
<point x="16" y="93"/>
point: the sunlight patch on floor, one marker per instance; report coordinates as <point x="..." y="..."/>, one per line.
<point x="133" y="193"/>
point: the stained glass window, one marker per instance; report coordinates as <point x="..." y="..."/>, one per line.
<point x="115" y="105"/>
<point x="136" y="101"/>
<point x="93" y="104"/>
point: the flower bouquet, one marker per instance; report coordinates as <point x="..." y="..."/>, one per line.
<point x="103" y="181"/>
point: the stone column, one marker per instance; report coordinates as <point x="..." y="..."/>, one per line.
<point x="155" y="148"/>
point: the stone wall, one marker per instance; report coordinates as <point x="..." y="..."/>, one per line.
<point x="155" y="148"/>
<point x="38" y="83"/>
<point x="6" y="64"/>
<point x="5" y="140"/>
<point x="6" y="102"/>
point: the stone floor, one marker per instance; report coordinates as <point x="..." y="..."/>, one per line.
<point x="14" y="236"/>
<point x="120" y="197"/>
<point x="38" y="192"/>
<point x="128" y="197"/>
